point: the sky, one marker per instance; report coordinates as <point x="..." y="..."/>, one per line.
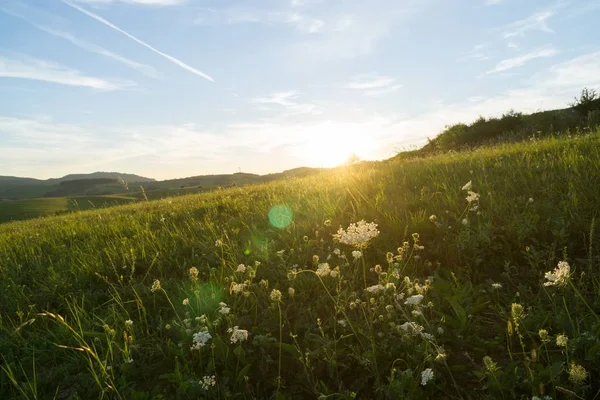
<point x="177" y="88"/>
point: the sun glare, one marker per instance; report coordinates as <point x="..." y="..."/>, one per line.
<point x="334" y="147"/>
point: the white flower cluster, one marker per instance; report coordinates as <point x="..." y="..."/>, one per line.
<point x="358" y="234"/>
<point x="224" y="309"/>
<point x="560" y="275"/>
<point x="375" y="289"/>
<point x="414" y="300"/>
<point x="238" y="288"/>
<point x="208" y="381"/>
<point x="323" y="270"/>
<point x="426" y="376"/>
<point x="241" y="268"/>
<point x="356" y="254"/>
<point x="412" y="327"/>
<point x="200" y="339"/>
<point x="238" y="335"/>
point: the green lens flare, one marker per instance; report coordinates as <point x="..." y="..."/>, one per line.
<point x="280" y="216"/>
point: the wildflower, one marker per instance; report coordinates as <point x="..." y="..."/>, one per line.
<point x="543" y="335"/>
<point x="562" y="340"/>
<point x="490" y="365"/>
<point x="128" y="360"/>
<point x="224" y="309"/>
<point x="358" y="234"/>
<point x="335" y="272"/>
<point x="280" y="253"/>
<point x="390" y="286"/>
<point x="465" y="222"/>
<point x="241" y="268"/>
<point x="327" y="222"/>
<point x="412" y="327"/>
<point x="440" y="330"/>
<point x="218" y="243"/>
<point x="426" y="376"/>
<point x="375" y="289"/>
<point x="264" y="283"/>
<point x="560" y="275"/>
<point x="237" y="288"/>
<point x="356" y="254"/>
<point x="315" y="259"/>
<point x="468" y="186"/>
<point x="186" y="302"/>
<point x="323" y="270"/>
<point x="305" y="238"/>
<point x="416" y="313"/>
<point x="129" y="322"/>
<point x="291" y="292"/>
<point x="238" y="335"/>
<point x="208" y="381"/>
<point x="343" y="323"/>
<point x="497" y="285"/>
<point x="193" y="273"/>
<point x="530" y="200"/>
<point x="200" y="339"/>
<point x="337" y="252"/>
<point x="516" y="310"/>
<point x="275" y="295"/>
<point x="577" y="374"/>
<point x="472" y="197"/>
<point x="155" y="286"/>
<point x="414" y="300"/>
<point x="168" y="326"/>
<point x="432" y="218"/>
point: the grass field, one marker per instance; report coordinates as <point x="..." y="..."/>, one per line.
<point x="249" y="293"/>
<point x="42" y="207"/>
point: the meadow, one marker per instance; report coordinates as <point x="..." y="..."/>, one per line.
<point x="469" y="275"/>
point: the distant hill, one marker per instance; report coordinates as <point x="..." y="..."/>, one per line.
<point x="113" y="183"/>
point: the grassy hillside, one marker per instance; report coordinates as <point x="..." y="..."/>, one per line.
<point x="34" y="208"/>
<point x="246" y="293"/>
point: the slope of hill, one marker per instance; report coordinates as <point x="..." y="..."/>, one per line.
<point x="481" y="279"/>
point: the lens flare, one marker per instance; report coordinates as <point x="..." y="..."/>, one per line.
<point x="280" y="216"/>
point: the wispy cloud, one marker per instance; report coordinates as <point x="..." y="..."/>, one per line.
<point x="372" y="84"/>
<point x="287" y="100"/>
<point x="85" y="45"/>
<point x="519" y="61"/>
<point x="477" y="53"/>
<point x="139" y="41"/>
<point x="535" y="22"/>
<point x="493" y="2"/>
<point x="41" y="70"/>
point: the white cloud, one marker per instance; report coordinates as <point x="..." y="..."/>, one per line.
<point x="139" y="41"/>
<point x="519" y="61"/>
<point x="493" y="2"/>
<point x="48" y="71"/>
<point x="535" y="22"/>
<point x="477" y="53"/>
<point x="369" y="82"/>
<point x="288" y="101"/>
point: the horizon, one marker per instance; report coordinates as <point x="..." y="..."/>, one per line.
<point x="173" y="88"/>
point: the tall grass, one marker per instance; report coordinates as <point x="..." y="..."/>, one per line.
<point x="144" y="301"/>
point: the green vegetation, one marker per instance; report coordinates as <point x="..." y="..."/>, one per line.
<point x="249" y="293"/>
<point x="42" y="207"/>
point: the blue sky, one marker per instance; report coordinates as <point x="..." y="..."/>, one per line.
<point x="175" y="88"/>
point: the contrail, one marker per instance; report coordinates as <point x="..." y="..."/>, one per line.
<point x="130" y="36"/>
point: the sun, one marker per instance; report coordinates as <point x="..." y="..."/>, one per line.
<point x="335" y="146"/>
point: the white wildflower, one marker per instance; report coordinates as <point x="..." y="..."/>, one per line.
<point x="155" y="286"/>
<point x="356" y="254"/>
<point x="497" y="285"/>
<point x="218" y="243"/>
<point x="237" y="288"/>
<point x="208" y="381"/>
<point x="560" y="275"/>
<point x="343" y="323"/>
<point x="472" y="196"/>
<point x="358" y="234"/>
<point x="337" y="252"/>
<point x="224" y="309"/>
<point x="468" y="186"/>
<point x="186" y="302"/>
<point x="414" y="300"/>
<point x="129" y="322"/>
<point x="241" y="268"/>
<point x="412" y="327"/>
<point x="375" y="289"/>
<point x="238" y="335"/>
<point x="426" y="376"/>
<point x="200" y="339"/>
<point x="275" y="295"/>
<point x="323" y="270"/>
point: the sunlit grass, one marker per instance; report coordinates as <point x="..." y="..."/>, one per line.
<point x="446" y="300"/>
